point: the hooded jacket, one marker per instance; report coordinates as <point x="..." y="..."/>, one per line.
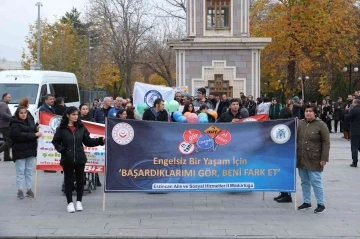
<point x="70" y="145"/>
<point x="22" y="133"/>
<point x="313" y="144"/>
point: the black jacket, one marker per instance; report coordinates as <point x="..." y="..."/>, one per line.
<point x="59" y="109"/>
<point x="70" y="144"/>
<point x="228" y="116"/>
<point x="338" y="110"/>
<point x="149" y="116"/>
<point x="223" y="105"/>
<point x="22" y="133"/>
<point x="251" y="107"/>
<point x="87" y="117"/>
<point x="354" y="118"/>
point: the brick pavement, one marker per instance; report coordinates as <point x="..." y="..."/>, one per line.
<point x="184" y="215"/>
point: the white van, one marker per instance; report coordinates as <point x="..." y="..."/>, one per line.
<point x="35" y="85"/>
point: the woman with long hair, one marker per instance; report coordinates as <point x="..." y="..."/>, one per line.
<point x="24" y="134"/>
<point x="130" y="111"/>
<point x="68" y="140"/>
<point x="84" y="113"/>
<point x="121" y="114"/>
<point x="188" y="107"/>
<point x="25" y="103"/>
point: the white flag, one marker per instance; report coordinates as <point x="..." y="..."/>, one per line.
<point x="149" y="93"/>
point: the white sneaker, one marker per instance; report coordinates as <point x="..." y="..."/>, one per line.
<point x="70" y="208"/>
<point x="79" y="206"/>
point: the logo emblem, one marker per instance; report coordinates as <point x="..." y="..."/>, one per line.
<point x="55" y="122"/>
<point x="151" y="96"/>
<point x="191" y="135"/>
<point x="186" y="148"/>
<point x="223" y="138"/>
<point x="122" y="133"/>
<point x="280" y="134"/>
<point x="212" y="131"/>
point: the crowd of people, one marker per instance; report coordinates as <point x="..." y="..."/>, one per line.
<point x="20" y="132"/>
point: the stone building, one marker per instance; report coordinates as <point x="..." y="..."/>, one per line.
<point x="218" y="52"/>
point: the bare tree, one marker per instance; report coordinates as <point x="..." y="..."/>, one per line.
<point x="125" y="25"/>
<point x="172" y="8"/>
<point x="158" y="57"/>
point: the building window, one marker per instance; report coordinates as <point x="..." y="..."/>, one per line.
<point x="218" y="14"/>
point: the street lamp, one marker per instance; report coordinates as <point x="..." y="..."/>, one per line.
<point x="302" y="80"/>
<point x="39" y="5"/>
<point x="267" y="86"/>
<point x="345" y="69"/>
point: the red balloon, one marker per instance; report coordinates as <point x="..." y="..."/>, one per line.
<point x="224" y="137"/>
<point x="191" y="135"/>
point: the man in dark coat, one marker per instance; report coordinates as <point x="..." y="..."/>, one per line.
<point x="156" y="113"/>
<point x="338" y="113"/>
<point x="59" y="106"/>
<point x="235" y="112"/>
<point x="354" y="118"/>
<point x="250" y="105"/>
<point x="5" y="116"/>
<point x="48" y="106"/>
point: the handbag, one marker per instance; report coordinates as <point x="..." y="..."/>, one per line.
<point x="329" y="118"/>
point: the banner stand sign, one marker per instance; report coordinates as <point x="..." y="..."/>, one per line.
<point x="143" y="156"/>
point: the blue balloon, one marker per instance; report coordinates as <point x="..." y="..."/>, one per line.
<point x="203" y="120"/>
<point x="176" y="115"/>
<point x="182" y="119"/>
<point x="205" y="142"/>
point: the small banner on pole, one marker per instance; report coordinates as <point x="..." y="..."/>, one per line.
<point x="49" y="159"/>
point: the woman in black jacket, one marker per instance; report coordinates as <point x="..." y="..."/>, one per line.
<point x="24" y="134"/>
<point x="84" y="113"/>
<point x="68" y="141"/>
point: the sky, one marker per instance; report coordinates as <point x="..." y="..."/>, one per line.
<point x="17" y="15"/>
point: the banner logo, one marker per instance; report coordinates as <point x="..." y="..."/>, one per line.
<point x="151" y="96"/>
<point x="280" y="134"/>
<point x="55" y="122"/>
<point x="123" y="133"/>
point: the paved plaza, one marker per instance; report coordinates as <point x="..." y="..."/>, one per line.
<point x="184" y="215"/>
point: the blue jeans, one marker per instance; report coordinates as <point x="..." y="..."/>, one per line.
<point x="24" y="167"/>
<point x="312" y="178"/>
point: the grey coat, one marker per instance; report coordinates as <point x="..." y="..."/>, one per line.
<point x="5" y="115"/>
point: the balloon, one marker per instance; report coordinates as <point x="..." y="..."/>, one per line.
<point x="203" y="120"/>
<point x="213" y="113"/>
<point x="176" y="115"/>
<point x="203" y="115"/>
<point x="182" y="119"/>
<point x="141" y="108"/>
<point x="173" y="106"/>
<point x="205" y="142"/>
<point x="166" y="105"/>
<point x="186" y="114"/>
<point x="192" y="118"/>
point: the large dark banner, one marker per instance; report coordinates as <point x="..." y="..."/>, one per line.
<point x="169" y="157"/>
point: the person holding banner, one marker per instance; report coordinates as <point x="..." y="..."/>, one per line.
<point x="234" y="112"/>
<point x="312" y="154"/>
<point x="156" y="113"/>
<point x="68" y="140"/>
<point x="24" y="134"/>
